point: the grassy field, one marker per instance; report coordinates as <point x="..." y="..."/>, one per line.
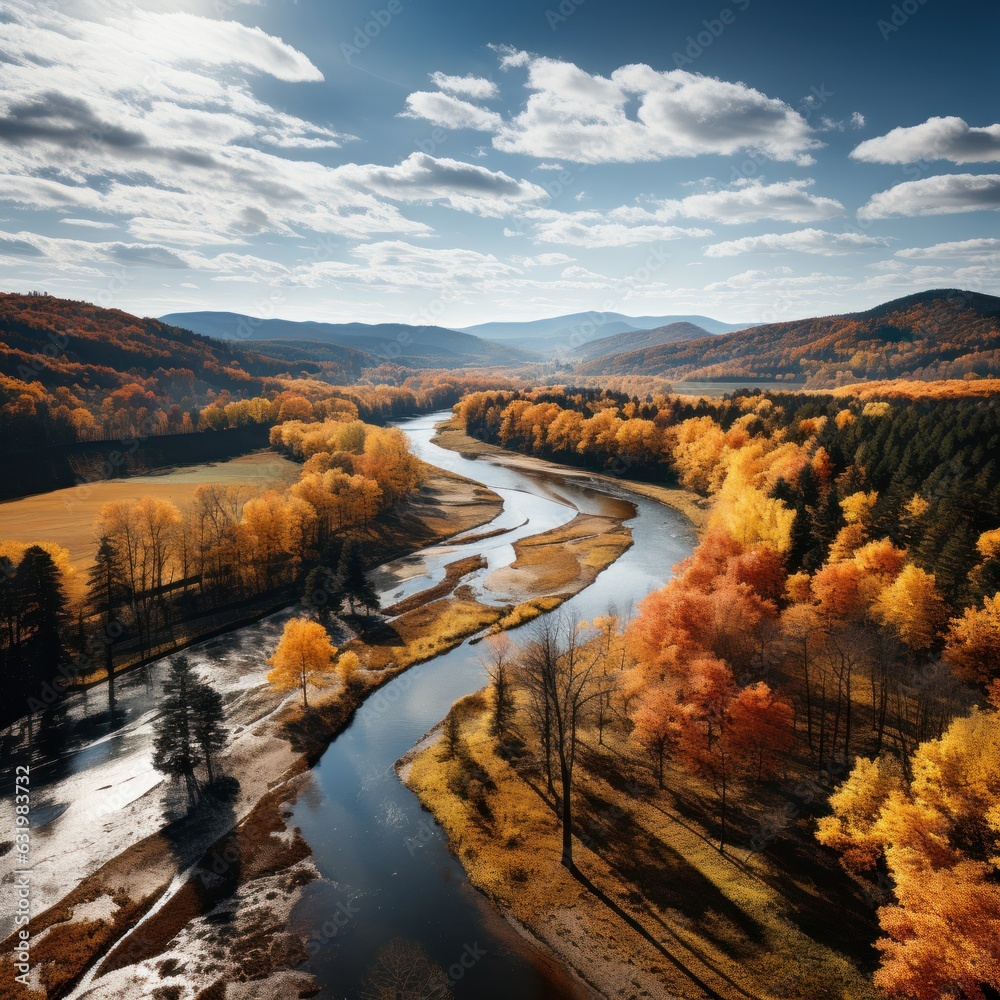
<point x="656" y="909"/>
<point x="67" y="517"/>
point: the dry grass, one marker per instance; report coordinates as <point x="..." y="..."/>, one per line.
<point x="68" y="516"/>
<point x="658" y="911"/>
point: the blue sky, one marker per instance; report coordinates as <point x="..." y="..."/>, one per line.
<point x="458" y="163"/>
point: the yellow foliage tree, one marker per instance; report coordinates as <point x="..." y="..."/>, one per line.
<point x="913" y="606"/>
<point x="304" y="656"/>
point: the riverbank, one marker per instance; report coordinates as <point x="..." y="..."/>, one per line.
<point x="244" y="866"/>
<point x="451" y="435"/>
<point x="653" y="912"/>
<point x="111" y="852"/>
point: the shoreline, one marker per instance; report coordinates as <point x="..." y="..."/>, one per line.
<point x="79" y="935"/>
<point x="104" y="893"/>
<point x="449" y="434"/>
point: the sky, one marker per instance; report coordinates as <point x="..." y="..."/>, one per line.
<point x="456" y="163"/>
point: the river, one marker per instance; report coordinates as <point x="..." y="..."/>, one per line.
<point x="389" y="871"/>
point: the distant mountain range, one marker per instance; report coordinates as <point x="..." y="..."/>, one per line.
<point x="565" y="334"/>
<point x="938" y="334"/>
<point x="398" y="343"/>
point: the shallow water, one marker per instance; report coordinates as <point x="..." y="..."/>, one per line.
<point x="387" y="860"/>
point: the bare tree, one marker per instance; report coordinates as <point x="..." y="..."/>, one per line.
<point x="559" y="674"/>
<point x="402" y="971"/>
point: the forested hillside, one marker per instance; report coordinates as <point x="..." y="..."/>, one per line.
<point x="72" y="371"/>
<point x="942" y="334"/>
<point x="830" y="650"/>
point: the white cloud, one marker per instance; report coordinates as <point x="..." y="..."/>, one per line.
<point x="936" y="139"/>
<point x="636" y="114"/>
<point x="477" y="87"/>
<point x="89" y="223"/>
<point x="978" y="249"/>
<point x="549" y="166"/>
<point x="463" y="186"/>
<point x="639" y="113"/>
<point x="629" y="225"/>
<point x="754" y="201"/>
<point x="149" y="118"/>
<point x="811" y="241"/>
<point x="450" y="112"/>
<point x="617" y="228"/>
<point x="939" y="195"/>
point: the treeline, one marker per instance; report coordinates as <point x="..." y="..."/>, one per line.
<point x="157" y="566"/>
<point x="842" y="607"/>
<point x="72" y="371"/>
<point x="926" y="464"/>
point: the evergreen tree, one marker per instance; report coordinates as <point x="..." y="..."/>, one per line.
<point x="323" y="593"/>
<point x="106" y="593"/>
<point x="42" y="617"/>
<point x="351" y="571"/>
<point x="207" y="716"/>
<point x="175" y="750"/>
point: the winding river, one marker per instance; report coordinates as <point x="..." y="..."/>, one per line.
<point x="389" y="871"/>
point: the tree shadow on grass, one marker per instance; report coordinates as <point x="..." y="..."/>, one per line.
<point x="632" y="922"/>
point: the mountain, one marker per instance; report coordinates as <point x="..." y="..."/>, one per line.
<point x="942" y="333"/>
<point x="634" y="340"/>
<point x="82" y="347"/>
<point x="398" y="343"/>
<point x="580" y="328"/>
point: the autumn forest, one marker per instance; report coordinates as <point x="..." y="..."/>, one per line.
<point x="784" y="753"/>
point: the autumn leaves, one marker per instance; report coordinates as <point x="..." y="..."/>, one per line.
<point x="305" y="656"/>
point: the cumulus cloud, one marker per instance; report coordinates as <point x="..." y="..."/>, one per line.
<point x="977" y="249"/>
<point x="621" y="227"/>
<point x="587" y="118"/>
<point x="936" y="139"/>
<point x="811" y="241"/>
<point x="477" y="87"/>
<point x="463" y="186"/>
<point x="173" y="142"/>
<point x="629" y="225"/>
<point x="942" y="195"/>
<point x="753" y="201"/>
<point x="450" y="112"/>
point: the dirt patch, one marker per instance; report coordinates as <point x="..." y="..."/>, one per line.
<point x="567" y="558"/>
<point x="454" y="572"/>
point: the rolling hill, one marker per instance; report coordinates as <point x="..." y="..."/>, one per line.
<point x="938" y="334"/>
<point x="587" y="326"/>
<point x="399" y="343"/>
<point x="634" y="340"/>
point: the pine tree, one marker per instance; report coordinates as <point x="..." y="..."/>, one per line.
<point x="42" y="617"/>
<point x="106" y="593"/>
<point x="207" y="716"/>
<point x="351" y="571"/>
<point x="174" y="745"/>
<point x="323" y="593"/>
